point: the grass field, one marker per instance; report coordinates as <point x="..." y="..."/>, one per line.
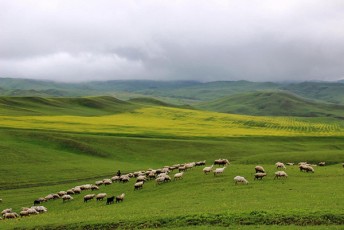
<point x="48" y="153"/>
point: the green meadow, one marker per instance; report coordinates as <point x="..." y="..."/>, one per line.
<point x="49" y="145"/>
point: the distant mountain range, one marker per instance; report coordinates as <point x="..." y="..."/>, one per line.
<point x="306" y="99"/>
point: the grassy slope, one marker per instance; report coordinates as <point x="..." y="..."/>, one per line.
<point x="35" y="163"/>
<point x="276" y="103"/>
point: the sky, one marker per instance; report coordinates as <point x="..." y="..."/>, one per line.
<point x="254" y="40"/>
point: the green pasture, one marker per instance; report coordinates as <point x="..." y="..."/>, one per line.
<point x="48" y="153"/>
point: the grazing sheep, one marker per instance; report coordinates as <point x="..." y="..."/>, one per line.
<point x="221" y="162"/>
<point x="89" y="197"/>
<point x="190" y="165"/>
<point x="107" y="182"/>
<point x="24" y="213"/>
<point x="120" y="198"/>
<point x="178" y="176"/>
<point x="259" y="169"/>
<point x="101" y="196"/>
<point x="7" y="210"/>
<point x="182" y="168"/>
<point x="70" y="192"/>
<point x="259" y="176"/>
<point x="200" y="163"/>
<point x="67" y="197"/>
<point x="141" y="178"/>
<point x="86" y="187"/>
<point x="280" y="174"/>
<point x="49" y="197"/>
<point x="219" y="171"/>
<point x="32" y="211"/>
<point x="94" y="187"/>
<point x="10" y="215"/>
<point x="138" y="185"/>
<point x="240" y="179"/>
<point x="151" y="175"/>
<point x="76" y="190"/>
<point x="290" y="163"/>
<point x="306" y="168"/>
<point x="160" y="180"/>
<point x="56" y="196"/>
<point x="39" y="200"/>
<point x="62" y="193"/>
<point x="115" y="178"/>
<point x="280" y="165"/>
<point x="110" y="200"/>
<point x="321" y="163"/>
<point x="40" y="209"/>
<point x="208" y="169"/>
<point x="124" y="178"/>
<point x="99" y="182"/>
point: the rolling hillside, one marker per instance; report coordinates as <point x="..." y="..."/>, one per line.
<point x="276" y="103"/>
<point x="177" y="92"/>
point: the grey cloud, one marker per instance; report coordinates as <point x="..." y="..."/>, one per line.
<point x="175" y="40"/>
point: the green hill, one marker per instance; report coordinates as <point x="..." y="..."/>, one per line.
<point x="85" y="106"/>
<point x="275" y="103"/>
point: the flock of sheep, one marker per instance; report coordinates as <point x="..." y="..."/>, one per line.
<point x="159" y="175"/>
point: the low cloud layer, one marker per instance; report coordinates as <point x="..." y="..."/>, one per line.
<point x="257" y="40"/>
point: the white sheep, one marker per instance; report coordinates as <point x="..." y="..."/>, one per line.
<point x="280" y="174"/>
<point x="178" y="175"/>
<point x="280" y="165"/>
<point x="67" y="197"/>
<point x="99" y="182"/>
<point x="306" y="168"/>
<point x="290" y="163"/>
<point x="101" y="196"/>
<point x="240" y="179"/>
<point x="259" y="169"/>
<point x="120" y="198"/>
<point x="89" y="197"/>
<point x="141" y="178"/>
<point x="107" y="181"/>
<point x="10" y="215"/>
<point x="138" y="185"/>
<point x="208" y="169"/>
<point x="61" y="193"/>
<point x="94" y="187"/>
<point x="259" y="176"/>
<point x="40" y="209"/>
<point x="219" y="170"/>
<point x="7" y="210"/>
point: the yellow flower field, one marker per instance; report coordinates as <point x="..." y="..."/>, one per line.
<point x="178" y="122"/>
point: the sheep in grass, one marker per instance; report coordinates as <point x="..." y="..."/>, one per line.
<point x="86" y="187"/>
<point x="110" y="200"/>
<point x="218" y="171"/>
<point x="259" y="169"/>
<point x="70" y="192"/>
<point x="290" y="163"/>
<point x="120" y="198"/>
<point x="94" y="187"/>
<point x="160" y="180"/>
<point x="321" y="163"/>
<point x="280" y="165"/>
<point x="40" y="209"/>
<point x="99" y="182"/>
<point x="66" y="198"/>
<point x="138" y="185"/>
<point x="151" y="175"/>
<point x="100" y="196"/>
<point x="115" y="178"/>
<point x="178" y="176"/>
<point x="124" y="178"/>
<point x="7" y="210"/>
<point x="107" y="182"/>
<point x="280" y="174"/>
<point x="306" y="168"/>
<point x="182" y="168"/>
<point x="89" y="197"/>
<point x="141" y="178"/>
<point x="200" y="163"/>
<point x="208" y="169"/>
<point x="240" y="179"/>
<point x="259" y="176"/>
<point x="39" y="200"/>
<point x="61" y="193"/>
<point x="10" y="215"/>
<point x="222" y="162"/>
<point x="24" y="213"/>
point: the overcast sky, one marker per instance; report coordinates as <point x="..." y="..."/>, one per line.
<point x="257" y="40"/>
